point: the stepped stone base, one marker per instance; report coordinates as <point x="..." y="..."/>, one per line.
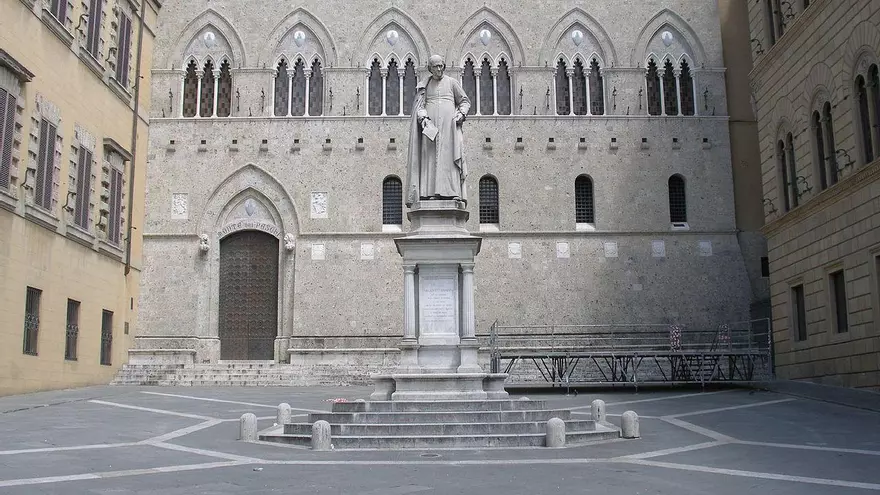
<point x="400" y="424"/>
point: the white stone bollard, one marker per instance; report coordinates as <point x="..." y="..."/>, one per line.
<point x="248" y="426"/>
<point x="555" y="433"/>
<point x="283" y="414"/>
<point x="321" y="435"/>
<point x="597" y="408"/>
<point x="629" y="425"/>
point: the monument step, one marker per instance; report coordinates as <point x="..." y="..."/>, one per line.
<point x="440" y="417"/>
<point x="443" y="441"/>
<point x="439" y="406"/>
<point x="423" y="429"/>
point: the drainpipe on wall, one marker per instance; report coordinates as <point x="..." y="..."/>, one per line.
<point x="134" y="128"/>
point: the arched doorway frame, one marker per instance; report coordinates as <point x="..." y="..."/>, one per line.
<point x="249" y="181"/>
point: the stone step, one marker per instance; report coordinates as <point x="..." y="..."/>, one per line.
<point x="440" y="417"/>
<point x="433" y="429"/>
<point x="439" y="406"/>
<point x="443" y="441"/>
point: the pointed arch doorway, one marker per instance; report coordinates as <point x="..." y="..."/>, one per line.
<point x="248" y="299"/>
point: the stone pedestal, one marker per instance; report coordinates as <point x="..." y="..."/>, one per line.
<point x="438" y="352"/>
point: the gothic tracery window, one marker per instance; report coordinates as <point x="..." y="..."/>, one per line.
<point x="562" y="95"/>
<point x="597" y="89"/>
<point x="580" y="105"/>
<point x="224" y="91"/>
<point x="686" y="85"/>
<point x="409" y="86"/>
<point x="392" y="89"/>
<point x="190" y="90"/>
<point x="469" y="84"/>
<point x="281" y="93"/>
<point x="298" y="89"/>
<point x="653" y="87"/>
<point x="670" y="91"/>
<point x="316" y="89"/>
<point x="487" y="90"/>
<point x="504" y="96"/>
<point x="374" y="105"/>
<point x="206" y="97"/>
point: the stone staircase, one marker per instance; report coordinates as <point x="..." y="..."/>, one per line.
<point x="441" y="424"/>
<point x="239" y="374"/>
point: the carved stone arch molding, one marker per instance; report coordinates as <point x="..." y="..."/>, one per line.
<point x="411" y="40"/>
<point x="820" y="86"/>
<point x="668" y="20"/>
<point x="299" y="17"/>
<point x="861" y="49"/>
<point x="783" y="120"/>
<point x="248" y="199"/>
<point x="225" y="33"/>
<point x="559" y="38"/>
<point x="485" y="17"/>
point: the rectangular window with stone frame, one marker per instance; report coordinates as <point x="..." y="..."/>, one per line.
<point x="82" y="167"/>
<point x="112" y="198"/>
<point x="93" y="33"/>
<point x="123" y="49"/>
<point x="45" y="173"/>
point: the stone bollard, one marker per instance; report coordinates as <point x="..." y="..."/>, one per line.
<point x="283" y="414"/>
<point x="629" y="425"/>
<point x="321" y="435"/>
<point x="598" y="410"/>
<point x="248" y="426"/>
<point x="555" y="433"/>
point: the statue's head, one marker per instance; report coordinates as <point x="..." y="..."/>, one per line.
<point x="436" y="66"/>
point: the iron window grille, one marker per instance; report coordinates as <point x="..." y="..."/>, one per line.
<point x="72" y="330"/>
<point x="31" y="320"/>
<point x="392" y="202"/>
<point x="106" y="337"/>
<point x="583" y="200"/>
<point x="677" y="200"/>
<point x="489" y="200"/>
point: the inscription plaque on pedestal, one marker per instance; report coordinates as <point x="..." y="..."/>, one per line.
<point x="438" y="301"/>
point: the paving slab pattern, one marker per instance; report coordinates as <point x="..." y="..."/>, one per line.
<point x="145" y="440"/>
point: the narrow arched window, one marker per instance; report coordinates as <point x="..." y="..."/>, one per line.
<point x="224" y="91"/>
<point x="686" y="84"/>
<point x="487" y="89"/>
<point x="830" y="145"/>
<point x="298" y="89"/>
<point x="780" y="17"/>
<point x="409" y="86"/>
<point x="282" y="90"/>
<point x="206" y="98"/>
<point x="874" y="108"/>
<point x="489" y="200"/>
<point x="579" y="89"/>
<point x="583" y="200"/>
<point x="597" y="89"/>
<point x="469" y="84"/>
<point x="562" y="95"/>
<point x="677" y="200"/>
<point x="769" y="23"/>
<point x="392" y="89"/>
<point x="190" y="90"/>
<point x="670" y="92"/>
<point x="781" y="162"/>
<point x="864" y="120"/>
<point x="316" y="89"/>
<point x="375" y="102"/>
<point x="504" y="106"/>
<point x="792" y="170"/>
<point x="653" y="87"/>
<point x="392" y="201"/>
<point x="819" y="146"/>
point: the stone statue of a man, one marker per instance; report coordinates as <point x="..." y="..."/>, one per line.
<point x="436" y="167"/>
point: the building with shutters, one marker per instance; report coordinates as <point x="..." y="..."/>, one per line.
<point x="600" y="157"/>
<point x="74" y="104"/>
<point x="817" y="88"/>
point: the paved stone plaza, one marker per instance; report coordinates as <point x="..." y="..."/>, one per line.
<point x="126" y="440"/>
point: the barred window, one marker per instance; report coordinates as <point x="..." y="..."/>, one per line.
<point x="106" y="337"/>
<point x="72" y="330"/>
<point x="670" y="92"/>
<point x="487" y="89"/>
<point x="597" y="89"/>
<point x="7" y="136"/>
<point x="469" y="84"/>
<point x="677" y="200"/>
<point x="562" y="96"/>
<point x="316" y="89"/>
<point x="190" y="90"/>
<point x="206" y="98"/>
<point x="653" y="86"/>
<point x="93" y="36"/>
<point x="504" y="96"/>
<point x="392" y="90"/>
<point x="375" y="103"/>
<point x="489" y="200"/>
<point x="282" y="83"/>
<point x="123" y="51"/>
<point x="224" y="91"/>
<point x="392" y="201"/>
<point x="45" y="165"/>
<point x="409" y="87"/>
<point x="686" y="83"/>
<point x="83" y="188"/>
<point x="583" y="200"/>
<point x="31" y="320"/>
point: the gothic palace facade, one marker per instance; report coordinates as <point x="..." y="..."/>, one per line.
<point x="599" y="148"/>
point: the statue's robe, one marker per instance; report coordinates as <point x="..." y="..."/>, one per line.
<point x="437" y="168"/>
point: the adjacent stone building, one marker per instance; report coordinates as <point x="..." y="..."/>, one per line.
<point x="74" y="101"/>
<point x="817" y="94"/>
<point x="599" y="148"/>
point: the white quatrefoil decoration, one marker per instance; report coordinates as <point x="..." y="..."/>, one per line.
<point x="577" y="36"/>
<point x="667" y="38"/>
<point x="210" y="39"/>
<point x="485" y="37"/>
<point x="391" y="37"/>
<point x="299" y="38"/>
